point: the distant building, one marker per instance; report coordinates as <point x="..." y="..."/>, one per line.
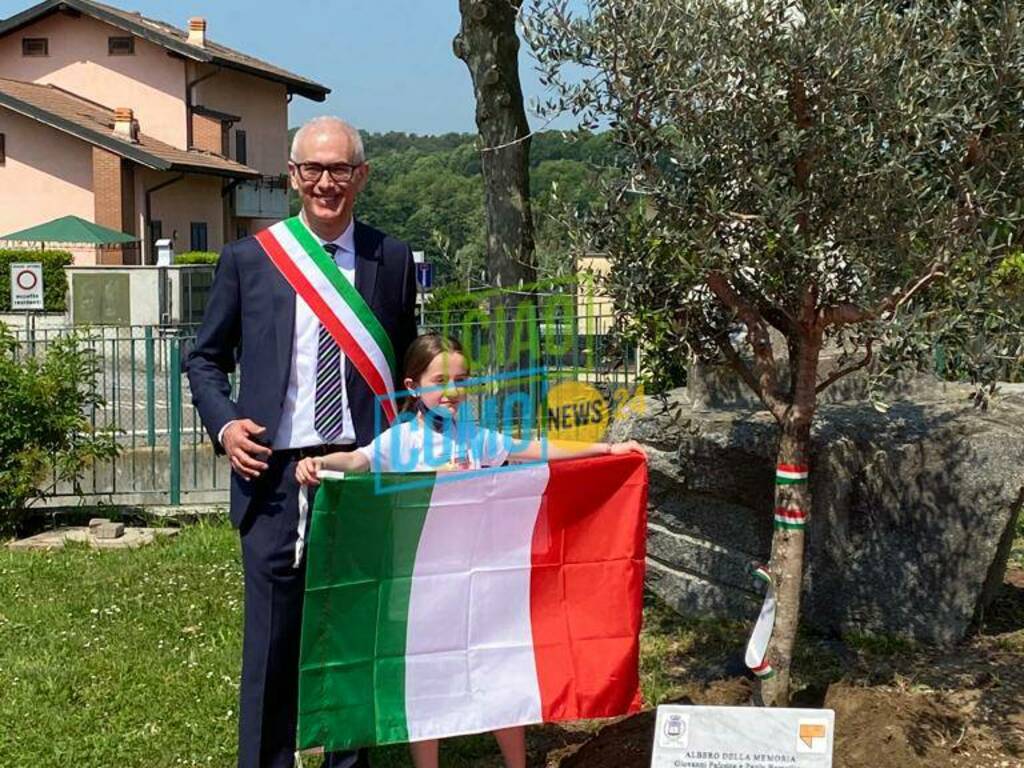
<point x="139" y="126"/>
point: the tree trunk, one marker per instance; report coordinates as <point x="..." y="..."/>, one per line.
<point x="792" y="513"/>
<point x="786" y="568"/>
<point x="489" y="45"/>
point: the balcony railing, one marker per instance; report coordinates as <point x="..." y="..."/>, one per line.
<point x="264" y="198"/>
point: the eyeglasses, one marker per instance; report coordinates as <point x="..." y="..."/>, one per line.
<point x="339" y="172"/>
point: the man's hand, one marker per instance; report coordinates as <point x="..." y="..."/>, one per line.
<point x="247" y="457"/>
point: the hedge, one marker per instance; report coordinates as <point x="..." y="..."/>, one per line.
<point x="55" y="284"/>
<point x="196" y="257"/>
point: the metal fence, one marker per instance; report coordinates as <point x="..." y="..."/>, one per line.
<point x="165" y="455"/>
<point x="147" y="404"/>
<point x="167" y="458"/>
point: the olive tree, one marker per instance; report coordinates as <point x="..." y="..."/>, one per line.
<point x="797" y="175"/>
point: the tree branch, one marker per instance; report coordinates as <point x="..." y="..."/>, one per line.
<point x="771" y="402"/>
<point x="776" y="316"/>
<point x="809" y="317"/>
<point x="737" y="362"/>
<point x="933" y="274"/>
<point x="837" y="375"/>
<point x="850" y="314"/>
<point x="845" y="314"/>
<point x="764" y="376"/>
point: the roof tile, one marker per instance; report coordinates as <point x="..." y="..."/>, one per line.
<point x="94" y="123"/>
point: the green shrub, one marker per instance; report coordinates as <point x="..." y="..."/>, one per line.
<point x="55" y="284"/>
<point x="196" y="257"/>
<point x="45" y="432"/>
<point x="1010" y="274"/>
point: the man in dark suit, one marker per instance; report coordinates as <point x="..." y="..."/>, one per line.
<point x="298" y="396"/>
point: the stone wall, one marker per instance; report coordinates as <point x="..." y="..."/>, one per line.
<point x="912" y="520"/>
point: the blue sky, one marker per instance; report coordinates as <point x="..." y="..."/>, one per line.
<point x="389" y="63"/>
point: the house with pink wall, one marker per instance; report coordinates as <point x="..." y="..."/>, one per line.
<point x="140" y="126"/>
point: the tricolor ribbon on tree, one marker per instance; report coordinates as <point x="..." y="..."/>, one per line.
<point x="757" y="647"/>
<point x="790" y="474"/>
<point x="790" y="518"/>
<point x="787" y="517"/>
<point x="310" y="270"/>
<point x="471" y="601"/>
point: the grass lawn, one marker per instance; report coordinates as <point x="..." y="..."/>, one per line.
<point x="121" y="658"/>
<point x="132" y="658"/>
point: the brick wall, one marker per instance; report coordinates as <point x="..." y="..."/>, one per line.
<point x="113" y="184"/>
<point x="207" y="134"/>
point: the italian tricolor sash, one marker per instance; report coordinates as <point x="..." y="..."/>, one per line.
<point x="339" y="307"/>
<point x="464" y="605"/>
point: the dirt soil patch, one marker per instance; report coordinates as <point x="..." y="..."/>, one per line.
<point x="896" y="706"/>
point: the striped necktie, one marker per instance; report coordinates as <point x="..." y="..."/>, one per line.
<point x="328" y="418"/>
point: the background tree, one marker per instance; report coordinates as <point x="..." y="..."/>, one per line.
<point x="489" y="45"/>
<point x="798" y="175"/>
<point x="428" y="191"/>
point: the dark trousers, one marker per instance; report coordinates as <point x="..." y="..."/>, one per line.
<point x="268" y="705"/>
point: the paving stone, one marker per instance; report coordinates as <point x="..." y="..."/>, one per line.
<point x="131" y="538"/>
<point x="107" y="530"/>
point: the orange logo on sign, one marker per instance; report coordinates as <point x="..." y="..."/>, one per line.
<point x="808" y="733"/>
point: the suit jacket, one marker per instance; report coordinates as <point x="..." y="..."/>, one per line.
<point x="250" y="318"/>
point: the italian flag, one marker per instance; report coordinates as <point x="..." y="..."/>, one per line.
<point x="454" y="603"/>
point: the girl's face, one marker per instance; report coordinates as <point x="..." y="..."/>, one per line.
<point x="441" y="385"/>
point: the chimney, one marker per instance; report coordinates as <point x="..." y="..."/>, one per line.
<point x="125" y="126"/>
<point x="197" y="31"/>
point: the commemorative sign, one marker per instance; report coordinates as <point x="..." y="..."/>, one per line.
<point x="742" y="737"/>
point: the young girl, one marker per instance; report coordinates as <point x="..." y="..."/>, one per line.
<point x="422" y="440"/>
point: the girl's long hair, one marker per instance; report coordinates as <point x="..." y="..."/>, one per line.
<point x="420" y="355"/>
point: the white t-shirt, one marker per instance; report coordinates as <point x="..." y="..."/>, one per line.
<point x="410" y="445"/>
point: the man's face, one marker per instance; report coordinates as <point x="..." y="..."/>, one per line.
<point x="327" y="199"/>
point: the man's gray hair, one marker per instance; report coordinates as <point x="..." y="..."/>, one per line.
<point x="358" y="156"/>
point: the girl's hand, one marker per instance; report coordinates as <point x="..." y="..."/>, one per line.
<point x="308" y="469"/>
<point x="618" y="449"/>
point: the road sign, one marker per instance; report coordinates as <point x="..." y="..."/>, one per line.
<point x="425" y="275"/>
<point x="26" y="286"/>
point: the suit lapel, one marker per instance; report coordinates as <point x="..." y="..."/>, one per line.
<point x="367" y="261"/>
<point x="284" y="319"/>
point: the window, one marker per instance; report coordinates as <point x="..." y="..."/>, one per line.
<point x="3" y="149"/>
<point x="199" y="236"/>
<point x="241" y="150"/>
<point x="35" y="46"/>
<point x="156" y="230"/>
<point x="121" y="46"/>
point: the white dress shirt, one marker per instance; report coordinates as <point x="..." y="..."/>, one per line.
<point x="296" y="428"/>
<point x="412" y="446"/>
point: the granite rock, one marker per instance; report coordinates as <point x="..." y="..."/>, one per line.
<point x="912" y="516"/>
